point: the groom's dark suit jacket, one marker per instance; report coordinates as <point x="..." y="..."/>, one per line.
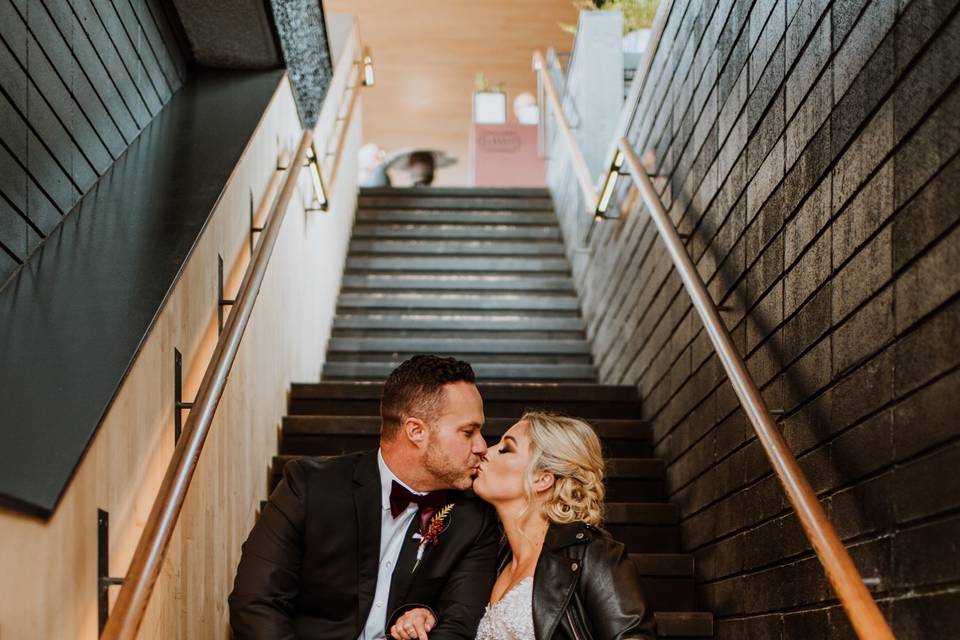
<point x="309" y="567"/>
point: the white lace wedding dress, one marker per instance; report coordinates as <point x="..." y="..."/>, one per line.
<point x="511" y="618"/>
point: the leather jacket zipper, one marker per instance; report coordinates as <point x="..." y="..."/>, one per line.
<point x="573" y="627"/>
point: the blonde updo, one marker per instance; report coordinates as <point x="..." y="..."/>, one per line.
<point x="570" y="450"/>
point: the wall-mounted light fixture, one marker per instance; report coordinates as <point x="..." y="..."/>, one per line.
<point x="367" y="68"/>
<point x="608" y="186"/>
<point x="313" y="162"/>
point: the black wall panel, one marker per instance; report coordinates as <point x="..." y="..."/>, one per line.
<point x="79" y="80"/>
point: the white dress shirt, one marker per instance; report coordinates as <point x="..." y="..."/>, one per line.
<point x="391" y="540"/>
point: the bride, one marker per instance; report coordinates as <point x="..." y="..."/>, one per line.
<point x="561" y="577"/>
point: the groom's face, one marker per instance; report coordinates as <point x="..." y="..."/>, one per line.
<point x="456" y="445"/>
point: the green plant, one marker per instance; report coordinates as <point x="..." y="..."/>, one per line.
<point x="480" y="85"/>
<point x="637" y="14"/>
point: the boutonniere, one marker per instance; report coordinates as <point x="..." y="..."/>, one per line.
<point x="438" y="524"/>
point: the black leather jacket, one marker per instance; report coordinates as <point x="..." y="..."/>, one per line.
<point x="586" y="587"/>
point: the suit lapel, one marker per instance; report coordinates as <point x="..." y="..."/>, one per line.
<point x="367" y="500"/>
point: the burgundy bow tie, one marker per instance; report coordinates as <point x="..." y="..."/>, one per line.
<point x="400" y="498"/>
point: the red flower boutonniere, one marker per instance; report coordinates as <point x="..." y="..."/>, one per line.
<point x="438" y="524"/>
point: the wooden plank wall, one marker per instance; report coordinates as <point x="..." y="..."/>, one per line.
<point x="79" y="80"/>
<point x="427" y="54"/>
<point x="49" y="568"/>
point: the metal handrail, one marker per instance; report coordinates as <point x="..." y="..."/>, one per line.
<point x="843" y="575"/>
<point x="579" y="164"/>
<point x="151" y="548"/>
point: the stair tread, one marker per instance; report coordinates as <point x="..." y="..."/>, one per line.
<point x="319" y="425"/>
<point x="401" y="192"/>
<point x="664" y="564"/>
<point x="684" y="624"/>
<point x="489" y="370"/>
<point x="477" y="246"/>
<point x="424" y="216"/>
<point x="647" y="513"/>
<point x="461" y="345"/>
<point x="528" y="391"/>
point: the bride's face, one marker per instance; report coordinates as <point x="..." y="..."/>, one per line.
<point x="501" y="474"/>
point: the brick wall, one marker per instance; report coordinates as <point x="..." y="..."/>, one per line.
<point x="810" y="150"/>
<point x="79" y="80"/>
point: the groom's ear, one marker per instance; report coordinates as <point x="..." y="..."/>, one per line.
<point x="415" y="431"/>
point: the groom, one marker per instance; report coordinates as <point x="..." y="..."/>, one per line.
<point x="347" y="543"/>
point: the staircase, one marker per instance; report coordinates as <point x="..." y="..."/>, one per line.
<point x="481" y="275"/>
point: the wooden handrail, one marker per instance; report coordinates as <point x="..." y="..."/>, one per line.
<point x="579" y="164"/>
<point x="346" y="118"/>
<point x="151" y="549"/>
<point x="843" y="575"/>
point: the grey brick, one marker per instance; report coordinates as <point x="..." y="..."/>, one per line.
<point x="863" y="155"/>
<point x="930" y="146"/>
<point x="927" y="79"/>
<point x="871" y="207"/>
<point x="934" y="615"/>
<point x="867" y="272"/>
<point x="808" y="375"/>
<point x="765" y="317"/>
<point x="765" y="180"/>
<point x="812" y="217"/>
<point x="808" y="67"/>
<point x="862" y="391"/>
<point x="768" y="42"/>
<point x="916" y="24"/>
<point x="927" y="418"/>
<point x="808" y="119"/>
<point x="927" y="215"/>
<point x="845" y="16"/>
<point x="934" y="278"/>
<point x="864" y="94"/>
<point x="863" y="508"/>
<point x="868" y="330"/>
<point x="863" y="449"/>
<point x="807" y="274"/>
<point x="766" y="135"/>
<point x="920" y="553"/>
<point x="810" y="323"/>
<point x="931" y="348"/>
<point x="929" y="485"/>
<point x="801" y="25"/>
<point x="853" y="54"/>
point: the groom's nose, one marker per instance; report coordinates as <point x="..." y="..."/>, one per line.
<point x="479" y="444"/>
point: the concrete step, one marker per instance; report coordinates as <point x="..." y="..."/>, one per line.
<point x="694" y="625"/>
<point x="484" y="371"/>
<point x="388" y="215"/>
<point x="334" y="435"/>
<point x="455" y="203"/>
<point x="466" y="282"/>
<point x="448" y="334"/>
<point x="448" y="264"/>
<point x="500" y="400"/>
<point x="473" y="192"/>
<point x="463" y="321"/>
<point x="449" y="301"/>
<point x="644" y="527"/>
<point x="457" y="231"/>
<point x="457" y="247"/>
<point x="462" y="345"/>
<point x="668" y="580"/>
<point x="476" y="359"/>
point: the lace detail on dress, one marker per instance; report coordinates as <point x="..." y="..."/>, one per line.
<point x="511" y="618"/>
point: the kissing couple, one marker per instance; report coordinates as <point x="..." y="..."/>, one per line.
<point x="393" y="544"/>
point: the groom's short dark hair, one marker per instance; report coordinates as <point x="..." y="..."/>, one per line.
<point x="415" y="389"/>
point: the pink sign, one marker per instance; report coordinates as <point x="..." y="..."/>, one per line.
<point x="505" y="155"/>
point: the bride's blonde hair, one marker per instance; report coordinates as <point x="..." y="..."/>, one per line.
<point x="570" y="450"/>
